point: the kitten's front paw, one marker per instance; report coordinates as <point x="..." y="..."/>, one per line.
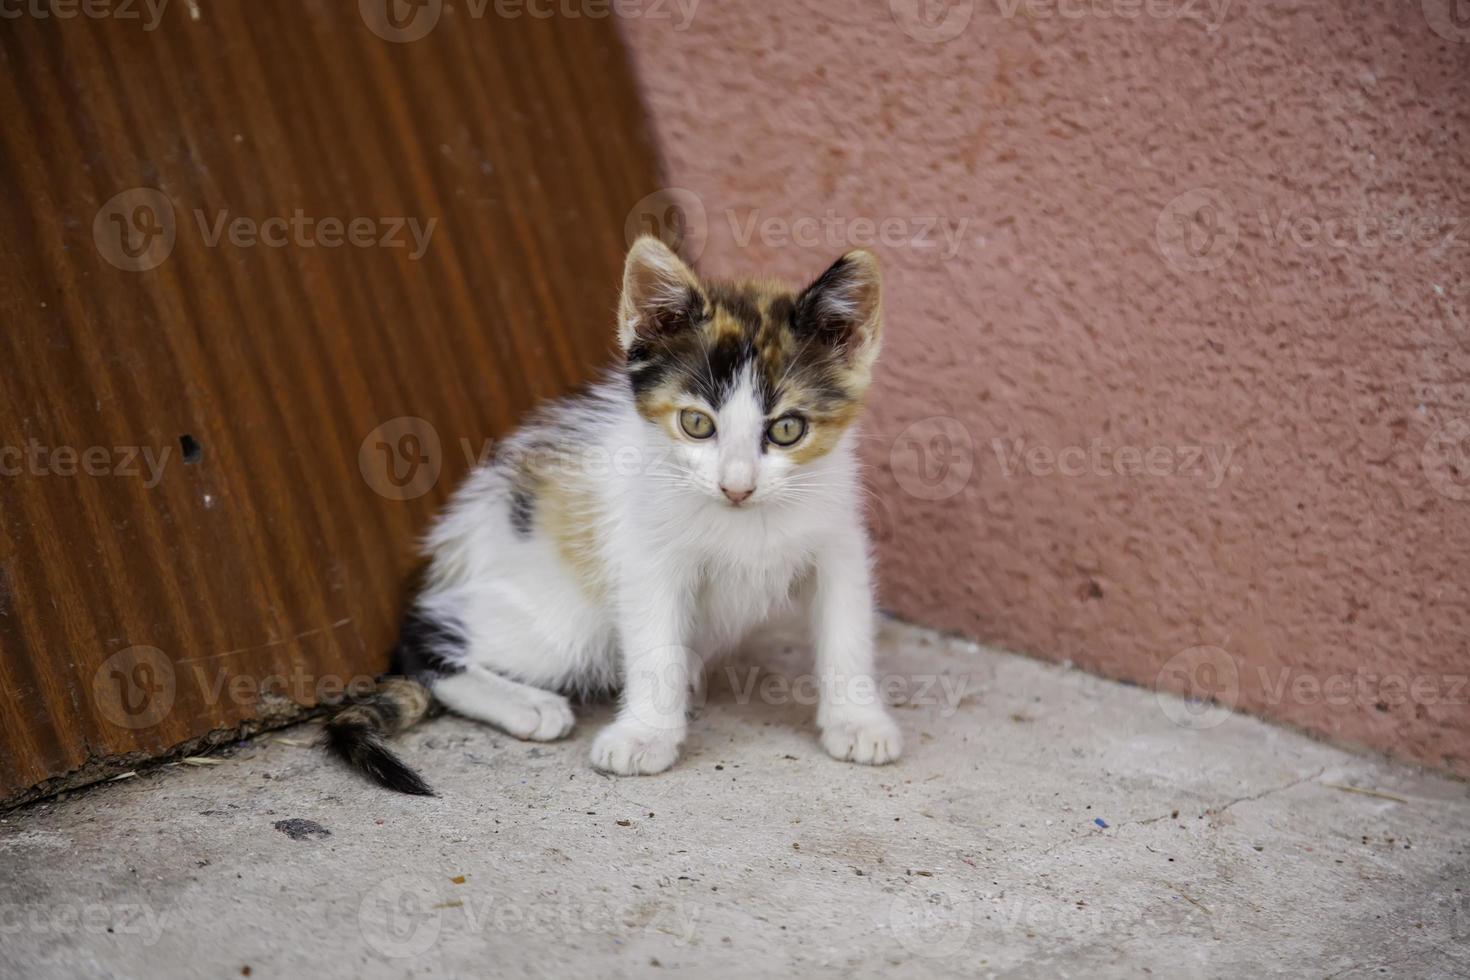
<point x="632" y="749"/>
<point x="870" y="738"/>
<point x="541" y="716"/>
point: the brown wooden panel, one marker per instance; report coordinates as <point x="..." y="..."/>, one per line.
<point x="282" y="548"/>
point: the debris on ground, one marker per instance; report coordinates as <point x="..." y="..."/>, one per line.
<point x="298" y="829"/>
<point x="1380" y="794"/>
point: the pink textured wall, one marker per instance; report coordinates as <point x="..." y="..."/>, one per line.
<point x="1225" y="227"/>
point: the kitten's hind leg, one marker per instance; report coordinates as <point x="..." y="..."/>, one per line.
<point x="518" y="709"/>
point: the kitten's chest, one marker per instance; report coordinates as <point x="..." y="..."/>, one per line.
<point x="736" y="596"/>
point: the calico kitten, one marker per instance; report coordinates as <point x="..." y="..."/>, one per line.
<point x="623" y="538"/>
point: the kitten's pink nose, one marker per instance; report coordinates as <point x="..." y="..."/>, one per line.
<point x="736" y="496"/>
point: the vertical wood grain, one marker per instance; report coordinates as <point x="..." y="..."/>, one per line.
<point x="273" y="553"/>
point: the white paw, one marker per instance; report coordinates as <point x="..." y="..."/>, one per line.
<point x="631" y="749"/>
<point x="870" y="738"/>
<point x="540" y="717"/>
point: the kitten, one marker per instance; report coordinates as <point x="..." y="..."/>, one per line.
<point x="623" y="538"/>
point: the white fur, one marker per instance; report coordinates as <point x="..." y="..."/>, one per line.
<point x="683" y="577"/>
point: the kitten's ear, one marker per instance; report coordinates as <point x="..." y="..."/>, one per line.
<point x="660" y="293"/>
<point x="843" y="308"/>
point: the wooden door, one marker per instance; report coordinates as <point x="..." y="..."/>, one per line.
<point x="275" y="271"/>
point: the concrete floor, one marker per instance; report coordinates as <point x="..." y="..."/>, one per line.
<point x="1227" y="851"/>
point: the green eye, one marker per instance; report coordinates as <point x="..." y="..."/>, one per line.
<point x="787" y="430"/>
<point x="696" y="424"/>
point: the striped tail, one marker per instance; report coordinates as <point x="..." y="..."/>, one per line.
<point x="355" y="734"/>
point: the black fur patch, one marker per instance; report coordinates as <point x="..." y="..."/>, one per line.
<point x="522" y="511"/>
<point x="783" y="311"/>
<point x="648" y="373"/>
<point x="714" y="378"/>
<point x="426" y="647"/>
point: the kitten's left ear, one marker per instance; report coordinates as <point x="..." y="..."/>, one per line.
<point x="843" y="308"/>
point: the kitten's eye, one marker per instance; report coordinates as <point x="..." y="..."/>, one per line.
<point x="786" y="430"/>
<point x="696" y="424"/>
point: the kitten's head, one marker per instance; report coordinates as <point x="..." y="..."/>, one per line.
<point x="750" y="381"/>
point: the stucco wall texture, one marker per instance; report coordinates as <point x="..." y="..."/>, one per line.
<point x="1176" y="383"/>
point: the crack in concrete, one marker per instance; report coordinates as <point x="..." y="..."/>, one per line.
<point x="1239" y="799"/>
<point x="1271" y="791"/>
